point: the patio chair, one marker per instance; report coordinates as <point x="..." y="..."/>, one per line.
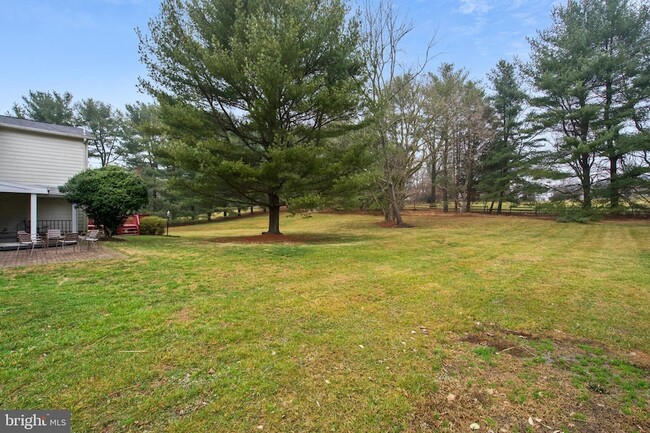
<point x="25" y="240"/>
<point x="52" y="234"/>
<point x="69" y="239"/>
<point x="91" y="238"/>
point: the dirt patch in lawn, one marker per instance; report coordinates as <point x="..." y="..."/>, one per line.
<point x="504" y="381"/>
<point x="500" y="344"/>
<point x="184" y="315"/>
<point x="393" y="225"/>
<point x="523" y="344"/>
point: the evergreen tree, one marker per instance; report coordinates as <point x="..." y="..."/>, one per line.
<point x="506" y="162"/>
<point x="105" y="123"/>
<point x="591" y="71"/>
<point x="141" y="151"/>
<point x="462" y="131"/>
<point x="252" y="93"/>
<point x="48" y="107"/>
<point x="619" y="31"/>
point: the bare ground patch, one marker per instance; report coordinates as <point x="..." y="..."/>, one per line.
<point x="184" y="315"/>
<point x="504" y="381"/>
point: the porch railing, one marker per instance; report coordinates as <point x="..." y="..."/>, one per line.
<point x="43" y="225"/>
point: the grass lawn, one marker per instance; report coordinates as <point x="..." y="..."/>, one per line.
<point x="516" y="324"/>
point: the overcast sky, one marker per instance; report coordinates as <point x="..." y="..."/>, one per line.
<point x="89" y="47"/>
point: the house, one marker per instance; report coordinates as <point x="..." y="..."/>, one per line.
<point x="35" y="159"/>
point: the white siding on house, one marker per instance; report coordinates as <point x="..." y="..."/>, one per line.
<point x="54" y="208"/>
<point x="56" y="213"/>
<point x="38" y="159"/>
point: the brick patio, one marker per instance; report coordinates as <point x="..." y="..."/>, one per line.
<point x="55" y="255"/>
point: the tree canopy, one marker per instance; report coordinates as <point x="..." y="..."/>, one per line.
<point x="106" y="124"/>
<point x="252" y="94"/>
<point x="507" y="163"/>
<point x="300" y="103"/>
<point x="48" y="107"/>
<point x="591" y="72"/>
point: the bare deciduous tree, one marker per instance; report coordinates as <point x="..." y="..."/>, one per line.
<point x="395" y="103"/>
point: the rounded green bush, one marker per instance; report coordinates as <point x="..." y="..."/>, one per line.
<point x="152" y="225"/>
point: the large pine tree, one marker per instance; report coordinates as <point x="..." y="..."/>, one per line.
<point x="591" y="72"/>
<point x="252" y="93"/>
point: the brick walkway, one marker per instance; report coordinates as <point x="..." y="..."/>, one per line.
<point x="55" y="255"/>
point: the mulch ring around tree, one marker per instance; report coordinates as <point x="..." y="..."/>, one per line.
<point x="296" y="239"/>
<point x="393" y="225"/>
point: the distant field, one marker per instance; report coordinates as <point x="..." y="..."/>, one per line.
<point x="525" y="325"/>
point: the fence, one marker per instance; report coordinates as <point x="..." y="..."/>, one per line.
<point x="544" y="210"/>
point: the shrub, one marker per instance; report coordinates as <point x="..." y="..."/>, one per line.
<point x="108" y="195"/>
<point x="582" y="216"/>
<point x="152" y="225"/>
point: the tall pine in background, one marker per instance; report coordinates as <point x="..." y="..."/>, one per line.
<point x="506" y="164"/>
<point x="590" y="71"/>
<point x="49" y="107"/>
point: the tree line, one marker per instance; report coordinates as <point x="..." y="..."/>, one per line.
<point x="301" y="104"/>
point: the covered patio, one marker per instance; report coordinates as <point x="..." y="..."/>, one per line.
<point x="34" y="209"/>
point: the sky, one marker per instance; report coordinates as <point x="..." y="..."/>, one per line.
<point x="90" y="49"/>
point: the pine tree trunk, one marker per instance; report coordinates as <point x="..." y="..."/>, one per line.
<point x="434" y="198"/>
<point x="274" y="215"/>
<point x="613" y="159"/>
<point x="469" y="191"/>
<point x="500" y="206"/>
<point x="445" y="200"/>
<point x="614" y="194"/>
<point x="585" y="181"/>
<point x="445" y="187"/>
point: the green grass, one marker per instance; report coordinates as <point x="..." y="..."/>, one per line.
<point x="190" y="334"/>
<point x="486" y="354"/>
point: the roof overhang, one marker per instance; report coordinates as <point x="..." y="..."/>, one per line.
<point x="83" y="137"/>
<point x="19" y="188"/>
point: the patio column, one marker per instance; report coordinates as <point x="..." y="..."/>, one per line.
<point x="33" y="215"/>
<point x="75" y="222"/>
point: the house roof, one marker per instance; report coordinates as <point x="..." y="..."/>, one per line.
<point x="46" y="128"/>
